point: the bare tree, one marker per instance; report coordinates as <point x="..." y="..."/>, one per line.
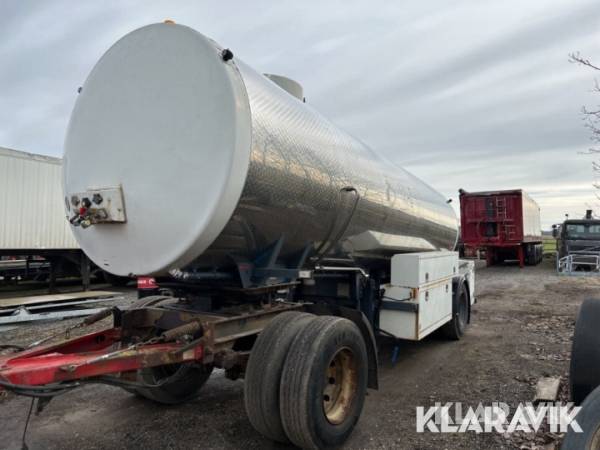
<point x="591" y="117"/>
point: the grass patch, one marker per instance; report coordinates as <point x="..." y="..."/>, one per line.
<point x="549" y="244"/>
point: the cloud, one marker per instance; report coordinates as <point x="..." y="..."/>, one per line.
<point x="469" y="94"/>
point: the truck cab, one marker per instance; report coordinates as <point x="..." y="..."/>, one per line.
<point x="577" y="235"/>
<point x="578" y="243"/>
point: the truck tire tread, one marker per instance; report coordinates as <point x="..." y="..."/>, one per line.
<point x="185" y="387"/>
<point x="454" y="330"/>
<point x="302" y="411"/>
<point x="589" y="421"/>
<point x="584" y="369"/>
<point x="263" y="373"/>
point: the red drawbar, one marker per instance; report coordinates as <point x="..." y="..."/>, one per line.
<point x="88" y="356"/>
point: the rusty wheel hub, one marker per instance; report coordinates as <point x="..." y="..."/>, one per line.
<point x="341" y="379"/>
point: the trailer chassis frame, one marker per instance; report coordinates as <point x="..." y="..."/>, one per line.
<point x="130" y="345"/>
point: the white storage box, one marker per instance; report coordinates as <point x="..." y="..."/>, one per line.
<point x="417" y="269"/>
<point x="419" y="299"/>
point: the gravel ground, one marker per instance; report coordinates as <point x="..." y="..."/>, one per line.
<point x="521" y="330"/>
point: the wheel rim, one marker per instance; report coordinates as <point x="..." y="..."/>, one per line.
<point x="341" y="381"/>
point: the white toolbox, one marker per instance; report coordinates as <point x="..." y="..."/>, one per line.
<point x="419" y="298"/>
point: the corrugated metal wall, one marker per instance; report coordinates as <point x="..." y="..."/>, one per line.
<point x="32" y="212"/>
<point x="532" y="225"/>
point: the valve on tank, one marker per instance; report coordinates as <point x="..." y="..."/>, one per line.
<point x="105" y="206"/>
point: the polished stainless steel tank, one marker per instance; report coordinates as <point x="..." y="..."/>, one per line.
<point x="213" y="158"/>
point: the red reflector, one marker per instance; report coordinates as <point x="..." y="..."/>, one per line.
<point x="146" y="283"/>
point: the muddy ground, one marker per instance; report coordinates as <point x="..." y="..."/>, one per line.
<point x="521" y="330"/>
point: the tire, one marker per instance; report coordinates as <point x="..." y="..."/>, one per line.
<point x="528" y="251"/>
<point x="323" y="383"/>
<point x="584" y="373"/>
<point x="263" y="373"/>
<point x="589" y="421"/>
<point x="455" y="329"/>
<point x="186" y="381"/>
<point x="150" y="300"/>
<point x="179" y="383"/>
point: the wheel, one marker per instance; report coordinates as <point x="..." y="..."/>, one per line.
<point x="173" y="383"/>
<point x="528" y="254"/>
<point x="323" y="383"/>
<point x="589" y="421"/>
<point x="455" y="329"/>
<point x="533" y="254"/>
<point x="263" y="373"/>
<point x="151" y="300"/>
<point x="585" y="352"/>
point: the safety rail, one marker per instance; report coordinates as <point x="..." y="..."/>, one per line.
<point x="579" y="264"/>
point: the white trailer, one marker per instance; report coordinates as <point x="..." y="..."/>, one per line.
<point x="35" y="239"/>
<point x="32" y="212"/>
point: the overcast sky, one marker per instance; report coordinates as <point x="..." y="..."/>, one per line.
<point x="465" y="94"/>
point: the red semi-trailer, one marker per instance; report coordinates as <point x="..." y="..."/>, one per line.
<point x="504" y="223"/>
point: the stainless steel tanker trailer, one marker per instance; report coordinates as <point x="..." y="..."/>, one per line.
<point x="284" y="246"/>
